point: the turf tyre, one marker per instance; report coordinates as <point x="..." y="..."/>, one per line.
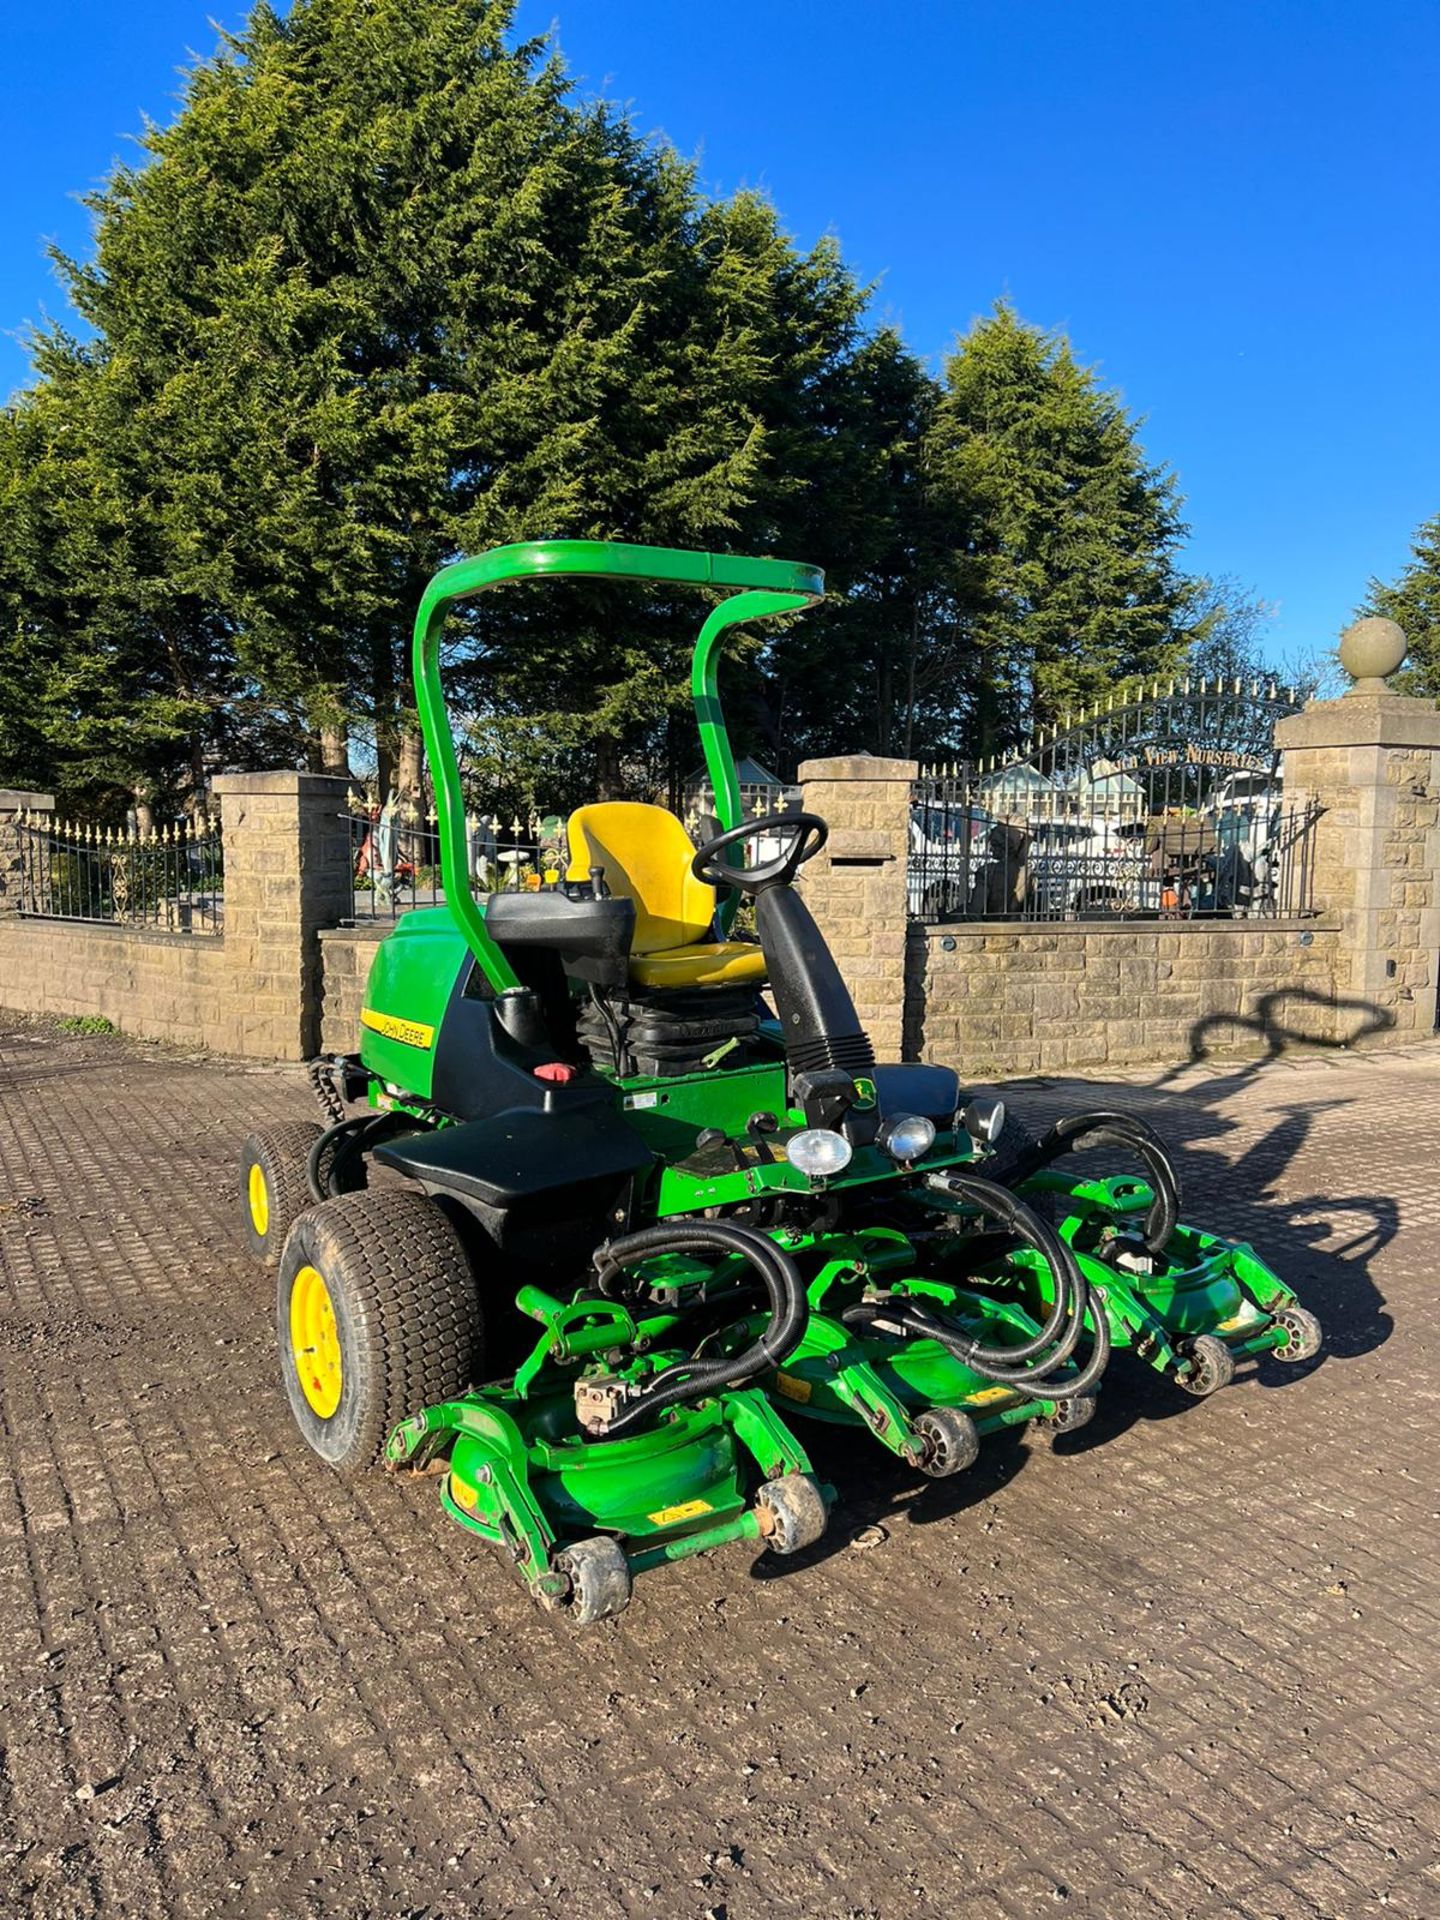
<point x="407" y="1317"/>
<point x="279" y="1153"/>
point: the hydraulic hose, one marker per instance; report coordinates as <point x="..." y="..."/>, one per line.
<point x="1079" y="1131"/>
<point x="348" y="1139"/>
<point x="690" y="1380"/>
<point x="1050" y="1348"/>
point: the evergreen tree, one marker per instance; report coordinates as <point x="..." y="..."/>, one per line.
<point x="384" y="294"/>
<point x="1062" y="574"/>
<point x="1413" y="599"/>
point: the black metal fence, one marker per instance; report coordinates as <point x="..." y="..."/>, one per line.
<point x="979" y="854"/>
<point x="395" y="857"/>
<point x="395" y="853"/>
<point x="169" y="879"/>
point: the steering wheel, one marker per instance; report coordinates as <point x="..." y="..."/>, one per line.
<point x="809" y="835"/>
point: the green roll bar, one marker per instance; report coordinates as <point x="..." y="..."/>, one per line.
<point x="759" y="588"/>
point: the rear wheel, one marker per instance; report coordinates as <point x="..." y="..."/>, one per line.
<point x="378" y="1317"/>
<point x="274" y="1191"/>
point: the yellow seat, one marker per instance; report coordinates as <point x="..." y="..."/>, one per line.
<point x="645" y="854"/>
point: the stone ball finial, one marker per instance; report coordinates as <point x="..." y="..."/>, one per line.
<point x="1370" y="651"/>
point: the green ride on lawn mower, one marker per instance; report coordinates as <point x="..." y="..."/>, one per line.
<point x="639" y="1221"/>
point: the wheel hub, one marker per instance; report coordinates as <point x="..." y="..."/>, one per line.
<point x="315" y="1341"/>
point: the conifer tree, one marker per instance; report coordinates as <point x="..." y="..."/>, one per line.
<point x="1413" y="599"/>
<point x="1062" y="569"/>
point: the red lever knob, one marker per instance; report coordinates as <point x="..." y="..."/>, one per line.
<point x="557" y="1072"/>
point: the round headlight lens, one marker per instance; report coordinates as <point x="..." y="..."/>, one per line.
<point x="908" y="1136"/>
<point x="984" y="1120"/>
<point x="818" y="1152"/>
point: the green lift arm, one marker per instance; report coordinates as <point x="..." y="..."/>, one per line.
<point x="759" y="588"/>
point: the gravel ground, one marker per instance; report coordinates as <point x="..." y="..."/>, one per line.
<point x="1182" y="1663"/>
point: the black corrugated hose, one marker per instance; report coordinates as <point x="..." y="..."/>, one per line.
<point x="1026" y="1368"/>
<point x="1079" y="1131"/>
<point x="690" y="1380"/>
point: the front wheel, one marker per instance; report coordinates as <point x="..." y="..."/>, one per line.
<point x="1070" y="1415"/>
<point x="378" y="1317"/>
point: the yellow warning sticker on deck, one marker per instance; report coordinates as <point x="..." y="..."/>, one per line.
<point x="792" y="1388"/>
<point x="687" y="1510"/>
<point x="987" y="1394"/>
<point x="410" y="1033"/>
<point x="463" y="1495"/>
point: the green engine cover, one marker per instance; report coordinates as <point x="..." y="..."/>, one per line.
<point x="411" y="980"/>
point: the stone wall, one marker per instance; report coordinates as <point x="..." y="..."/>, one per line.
<point x="345" y="956"/>
<point x="157" y="985"/>
<point x="286" y="979"/>
<point x="1372" y="760"/>
<point x="254" y="990"/>
<point x="855" y="887"/>
<point x="996" y="1001"/>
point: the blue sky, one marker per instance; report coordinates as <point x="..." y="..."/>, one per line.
<point x="1233" y="209"/>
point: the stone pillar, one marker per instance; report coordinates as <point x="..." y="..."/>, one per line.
<point x="1372" y="760"/>
<point x="856" y="888"/>
<point x="13" y="802"/>
<point x="287" y="875"/>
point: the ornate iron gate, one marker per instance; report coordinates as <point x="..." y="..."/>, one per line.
<point x="1165" y="802"/>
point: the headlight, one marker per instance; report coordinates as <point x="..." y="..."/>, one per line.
<point x="818" y="1152"/>
<point x="907" y="1137"/>
<point x="984" y="1120"/>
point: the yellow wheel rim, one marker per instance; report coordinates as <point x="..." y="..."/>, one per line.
<point x="314" y="1342"/>
<point x="259" y="1201"/>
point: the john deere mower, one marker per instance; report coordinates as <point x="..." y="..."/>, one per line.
<point x="646" y="1195"/>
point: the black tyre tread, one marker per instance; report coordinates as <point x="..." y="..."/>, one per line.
<point x="415" y="1305"/>
<point x="282" y="1150"/>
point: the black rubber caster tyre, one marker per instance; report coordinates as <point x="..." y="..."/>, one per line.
<point x="792" y="1512"/>
<point x="273" y="1189"/>
<point x="1070" y="1415"/>
<point x="377" y="1315"/>
<point x="950" y="1440"/>
<point x="1304" y="1335"/>
<point x="1212" y="1366"/>
<point x="600" y="1580"/>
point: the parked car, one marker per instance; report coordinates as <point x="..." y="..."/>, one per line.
<point x="1077" y="868"/>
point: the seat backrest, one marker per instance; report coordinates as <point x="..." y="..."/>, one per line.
<point x="646" y="855"/>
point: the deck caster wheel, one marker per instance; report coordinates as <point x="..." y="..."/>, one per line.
<point x="792" y="1512"/>
<point x="1212" y="1366"/>
<point x="273" y="1189"/>
<point x="600" y="1582"/>
<point x="1070" y="1415"/>
<point x="1303" y="1335"/>
<point x="949" y="1440"/>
